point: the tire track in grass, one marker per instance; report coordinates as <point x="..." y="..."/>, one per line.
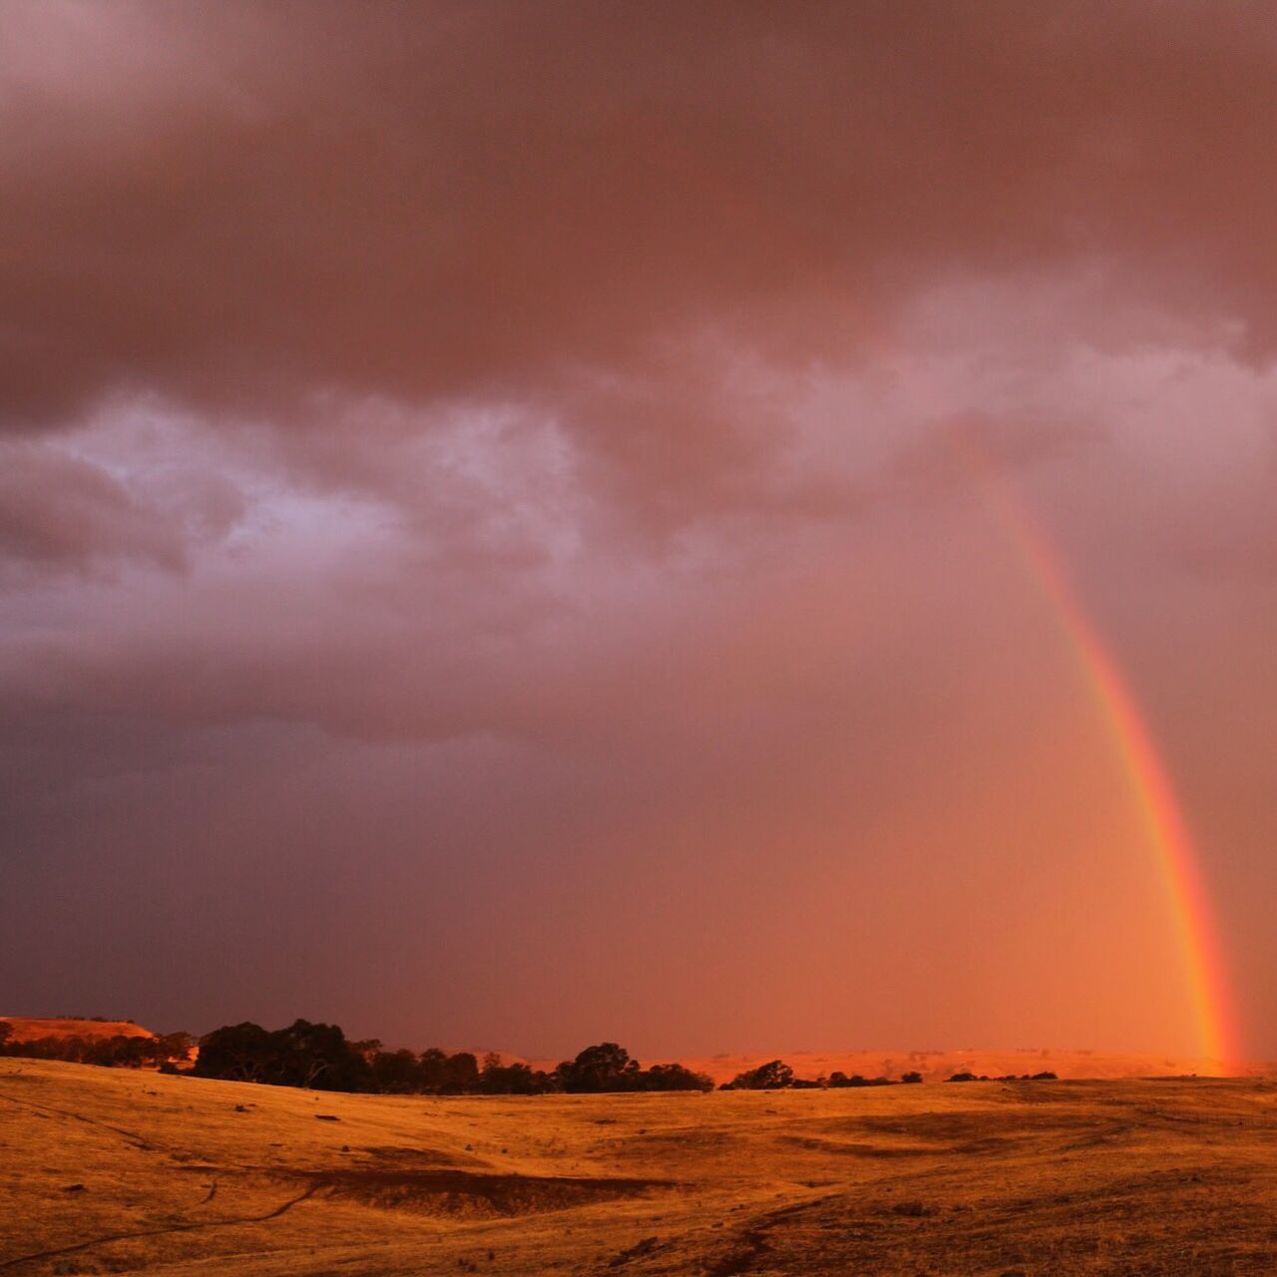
<point x="160" y="1232"/>
<point x="138" y="1141"/>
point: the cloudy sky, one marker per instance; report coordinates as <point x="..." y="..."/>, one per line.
<point x="490" y="551"/>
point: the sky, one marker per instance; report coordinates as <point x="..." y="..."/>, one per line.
<point x="499" y="536"/>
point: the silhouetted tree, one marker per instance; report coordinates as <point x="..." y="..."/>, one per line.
<point x="463" y="1074"/>
<point x="857" y="1079"/>
<point x="303" y="1054"/>
<point x="318" y="1056"/>
<point x="176" y="1047"/>
<point x="432" y="1069"/>
<point x="444" y="1074"/>
<point x="605" y="1067"/>
<point x="674" y="1077"/>
<point x="394" y="1072"/>
<point x="513" y="1079"/>
<point x="775" y="1075"/>
<point x="911" y="1077"/>
<point x="237" y="1052"/>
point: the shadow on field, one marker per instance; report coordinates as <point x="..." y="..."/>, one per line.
<point x="455" y="1192"/>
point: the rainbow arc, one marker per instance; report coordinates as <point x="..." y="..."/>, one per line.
<point x="1167" y="831"/>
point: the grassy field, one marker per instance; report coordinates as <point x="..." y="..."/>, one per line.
<point x="118" y="1171"/>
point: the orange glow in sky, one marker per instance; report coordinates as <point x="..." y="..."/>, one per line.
<point x="728" y="528"/>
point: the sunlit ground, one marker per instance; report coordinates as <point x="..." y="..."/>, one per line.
<point x="120" y="1171"/>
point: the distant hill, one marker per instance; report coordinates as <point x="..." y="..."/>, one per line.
<point x="31" y="1028"/>
<point x="937" y="1065"/>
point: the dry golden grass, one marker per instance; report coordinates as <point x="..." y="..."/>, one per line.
<point x="114" y="1171"/>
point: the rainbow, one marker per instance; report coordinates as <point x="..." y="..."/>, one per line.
<point x="1168" y="834"/>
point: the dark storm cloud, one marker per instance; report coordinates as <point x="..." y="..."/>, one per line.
<point x="241" y="205"/>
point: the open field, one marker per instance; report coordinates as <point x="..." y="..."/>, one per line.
<point x="117" y="1171"/>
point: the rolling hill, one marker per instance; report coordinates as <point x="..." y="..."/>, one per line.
<point x="109" y="1170"/>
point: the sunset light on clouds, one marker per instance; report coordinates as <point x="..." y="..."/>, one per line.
<point x="726" y="527"/>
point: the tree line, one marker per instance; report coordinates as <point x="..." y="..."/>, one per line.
<point x="321" y="1057"/>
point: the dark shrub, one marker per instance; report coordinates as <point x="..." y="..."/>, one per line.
<point x="605" y="1067"/>
<point x="775" y="1075"/>
<point x="674" y="1077"/>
